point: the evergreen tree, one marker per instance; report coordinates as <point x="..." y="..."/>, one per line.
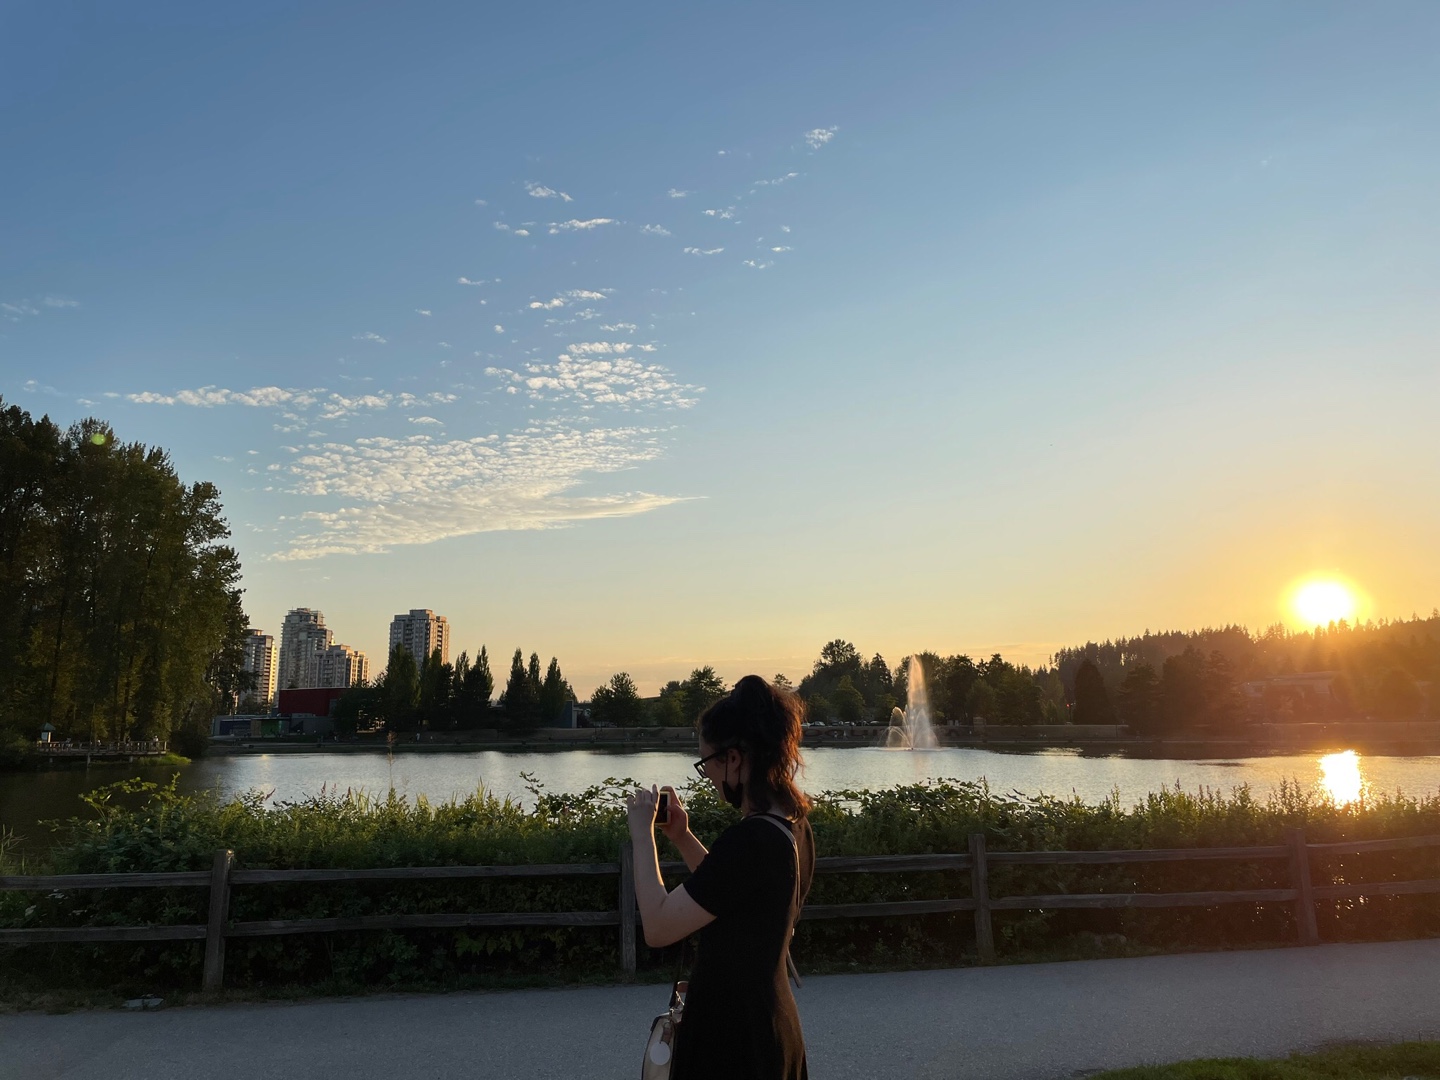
<point x="435" y="681"/>
<point x="1092" y="700"/>
<point x="522" y="697"/>
<point x="1139" y="702"/>
<point x="555" y="693"/>
<point x="402" y="690"/>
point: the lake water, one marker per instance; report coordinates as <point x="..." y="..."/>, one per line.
<point x="28" y="798"/>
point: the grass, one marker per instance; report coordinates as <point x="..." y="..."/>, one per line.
<point x="1402" y="1061"/>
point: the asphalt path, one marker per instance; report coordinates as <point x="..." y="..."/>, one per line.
<point x="1021" y="1022"/>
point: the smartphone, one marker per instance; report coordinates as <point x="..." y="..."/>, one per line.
<point x="662" y="809"/>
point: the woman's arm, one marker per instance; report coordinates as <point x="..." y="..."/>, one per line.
<point x="666" y="917"/>
<point x="677" y="830"/>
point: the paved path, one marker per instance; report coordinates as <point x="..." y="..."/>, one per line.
<point x="1031" y="1022"/>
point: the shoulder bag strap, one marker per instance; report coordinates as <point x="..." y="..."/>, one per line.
<point x="784" y="825"/>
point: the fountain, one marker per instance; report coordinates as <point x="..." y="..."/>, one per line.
<point x="911" y="729"/>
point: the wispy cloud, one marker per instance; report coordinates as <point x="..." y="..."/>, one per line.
<point x="427" y="311"/>
<point x="574" y="224"/>
<point x="777" y="181"/>
<point x="481" y="202"/>
<point x="540" y="191"/>
<point x="654" y="230"/>
<point x="547" y="305"/>
<point x="703" y="251"/>
<point x="514" y="232"/>
<point x="598" y="373"/>
<point x="369" y="336"/>
<point x="586" y="294"/>
<point x="619" y="328"/>
<point x="424" y="420"/>
<point x="781" y="247"/>
<point x="724" y="213"/>
<point x="417" y="490"/>
<point x="499" y="329"/>
<point x="676" y="193"/>
<point x="324" y="404"/>
<point x="758" y="265"/>
<point x="818" y="137"/>
<point x="15" y="310"/>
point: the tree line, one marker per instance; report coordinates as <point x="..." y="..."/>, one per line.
<point x="120" y="604"/>
<point x="440" y="696"/>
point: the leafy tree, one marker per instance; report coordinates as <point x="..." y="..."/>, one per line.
<point x="1092" y="700"/>
<point x="981" y="703"/>
<point x="120" y="612"/>
<point x="782" y="682"/>
<point x="849" y="703"/>
<point x="617" y="702"/>
<point x="668" y="710"/>
<point x="701" y="690"/>
<point x="359" y="706"/>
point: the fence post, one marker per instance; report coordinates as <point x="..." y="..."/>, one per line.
<point x="1304" y="891"/>
<point x="980" y="890"/>
<point x="219" y="914"/>
<point x="627" y="908"/>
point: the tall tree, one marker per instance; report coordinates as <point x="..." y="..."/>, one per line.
<point x="402" y="690"/>
<point x="1092" y="700"/>
<point x="555" y="693"/>
<point x="522" y="697"/>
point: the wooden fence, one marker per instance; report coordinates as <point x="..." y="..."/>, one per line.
<point x="223" y="877"/>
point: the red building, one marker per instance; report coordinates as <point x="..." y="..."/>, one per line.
<point x="313" y="701"/>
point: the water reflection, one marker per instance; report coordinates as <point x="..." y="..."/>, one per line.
<point x="1340" y="777"/>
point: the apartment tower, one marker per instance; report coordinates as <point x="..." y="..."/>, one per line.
<point x="421" y="632"/>
<point x="263" y="661"/>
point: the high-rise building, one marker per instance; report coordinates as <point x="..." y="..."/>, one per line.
<point x="421" y="632"/>
<point x="263" y="661"/>
<point x="302" y="635"/>
<point x="339" y="665"/>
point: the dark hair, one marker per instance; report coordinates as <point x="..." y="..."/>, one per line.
<point x="763" y="721"/>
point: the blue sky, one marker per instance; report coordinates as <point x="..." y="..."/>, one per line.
<point x="669" y="335"/>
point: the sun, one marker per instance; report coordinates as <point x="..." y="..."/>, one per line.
<point x="1321" y="601"/>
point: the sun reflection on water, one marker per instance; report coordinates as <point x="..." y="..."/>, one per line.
<point x="1340" y="777"/>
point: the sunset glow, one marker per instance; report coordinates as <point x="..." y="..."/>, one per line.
<point x="1322" y="601"/>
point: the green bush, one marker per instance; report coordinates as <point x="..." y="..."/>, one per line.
<point x="171" y="831"/>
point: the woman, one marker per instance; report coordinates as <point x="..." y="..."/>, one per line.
<point x="743" y="895"/>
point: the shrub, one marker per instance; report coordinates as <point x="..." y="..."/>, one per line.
<point x="171" y="831"/>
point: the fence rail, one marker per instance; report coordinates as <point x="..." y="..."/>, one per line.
<point x="222" y="878"/>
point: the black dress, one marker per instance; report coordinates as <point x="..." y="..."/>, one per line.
<point x="740" y="1018"/>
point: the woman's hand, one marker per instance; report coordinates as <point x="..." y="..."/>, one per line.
<point x="677" y="824"/>
<point x="640" y="811"/>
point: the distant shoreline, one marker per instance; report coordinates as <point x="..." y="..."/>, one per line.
<point x="1397" y="739"/>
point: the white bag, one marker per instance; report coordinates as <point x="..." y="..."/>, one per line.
<point x="660" y="1049"/>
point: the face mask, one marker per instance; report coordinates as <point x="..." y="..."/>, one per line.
<point x="734" y="794"/>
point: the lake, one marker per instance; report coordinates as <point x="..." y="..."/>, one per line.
<point x="28" y="798"/>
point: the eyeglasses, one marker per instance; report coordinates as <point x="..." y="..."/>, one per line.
<point x="700" y="765"/>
